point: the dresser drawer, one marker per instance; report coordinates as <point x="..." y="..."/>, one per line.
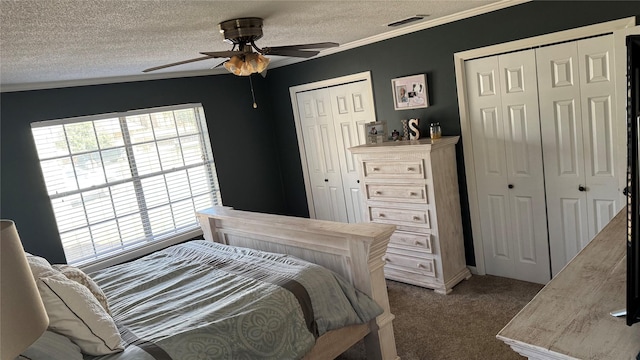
<point x="400" y="216"/>
<point x="412" y="264"/>
<point x="400" y="193"/>
<point x="412" y="241"/>
<point x="413" y="169"/>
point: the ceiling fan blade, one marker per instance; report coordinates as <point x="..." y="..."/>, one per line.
<point x="322" y="45"/>
<point x="176" y="63"/>
<point x="222" y="54"/>
<point x="220" y="64"/>
<point x="288" y="52"/>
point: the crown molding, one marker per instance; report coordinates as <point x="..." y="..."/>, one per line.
<point x="106" y="80"/>
<point x="413" y="28"/>
<point x="286" y="61"/>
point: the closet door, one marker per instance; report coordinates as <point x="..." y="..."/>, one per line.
<point x="352" y="107"/>
<point x="597" y="90"/>
<point x="316" y="119"/>
<point x="505" y="133"/>
<point x="576" y="107"/>
<point x="518" y="79"/>
<point x="561" y="124"/>
<point x="490" y="163"/>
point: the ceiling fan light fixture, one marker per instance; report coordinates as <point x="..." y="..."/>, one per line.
<point x="233" y="65"/>
<point x="252" y="63"/>
<point x="256" y="62"/>
<point x="243" y="61"/>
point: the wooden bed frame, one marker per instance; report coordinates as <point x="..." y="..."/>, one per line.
<point x="354" y="251"/>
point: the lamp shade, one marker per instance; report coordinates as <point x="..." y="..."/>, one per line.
<point x="234" y="65"/>
<point x="247" y="64"/>
<point x="23" y="317"/>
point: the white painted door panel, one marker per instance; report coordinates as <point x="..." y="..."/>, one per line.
<point x="562" y="141"/>
<point x="577" y="120"/>
<point x="332" y="119"/>
<point x="352" y="107"/>
<point x="597" y="90"/>
<point x="524" y="165"/>
<point x="322" y="159"/>
<point x="506" y="144"/>
<point x="487" y="130"/>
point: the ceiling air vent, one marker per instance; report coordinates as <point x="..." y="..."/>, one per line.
<point x="407" y="20"/>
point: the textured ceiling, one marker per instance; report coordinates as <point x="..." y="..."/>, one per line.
<point x="46" y="42"/>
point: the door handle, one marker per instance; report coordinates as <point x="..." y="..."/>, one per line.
<point x="326" y="180"/>
<point x="582" y="188"/>
<point x="510" y="186"/>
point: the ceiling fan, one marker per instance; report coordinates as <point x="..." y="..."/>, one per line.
<point x="243" y="33"/>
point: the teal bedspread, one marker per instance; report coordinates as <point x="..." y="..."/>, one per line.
<point x="203" y="300"/>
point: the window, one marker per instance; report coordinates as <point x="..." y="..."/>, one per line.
<point x="121" y="181"/>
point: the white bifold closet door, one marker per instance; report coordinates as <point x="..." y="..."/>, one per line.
<point x="352" y="107"/>
<point x="505" y="128"/>
<point x="577" y="97"/>
<point x="333" y="120"/>
<point x="316" y="119"/>
<point x="543" y="129"/>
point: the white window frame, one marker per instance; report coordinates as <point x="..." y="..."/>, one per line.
<point x="150" y="242"/>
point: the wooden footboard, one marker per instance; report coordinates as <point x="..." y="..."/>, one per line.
<point x="354" y="251"/>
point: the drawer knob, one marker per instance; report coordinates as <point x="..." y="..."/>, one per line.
<point x="417" y="243"/>
<point x="385" y="259"/>
<point x="420" y="266"/>
<point x="378" y="193"/>
<point x="416" y="218"/>
<point x="411" y="169"/>
<point x="376" y="169"/>
<point x="381" y="215"/>
<point x="412" y="194"/>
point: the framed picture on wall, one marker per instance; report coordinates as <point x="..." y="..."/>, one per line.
<point x="376" y="132"/>
<point x="410" y="92"/>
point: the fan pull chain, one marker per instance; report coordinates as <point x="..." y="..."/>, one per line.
<point x="253" y="96"/>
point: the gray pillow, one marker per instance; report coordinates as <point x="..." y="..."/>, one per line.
<point x="52" y="346"/>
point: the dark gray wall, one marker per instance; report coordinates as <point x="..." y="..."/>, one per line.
<point x="430" y="52"/>
<point x="256" y="150"/>
<point x="242" y="140"/>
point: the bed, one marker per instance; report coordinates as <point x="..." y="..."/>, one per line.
<point x="161" y="310"/>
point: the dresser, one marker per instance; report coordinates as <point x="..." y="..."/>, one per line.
<point x="569" y="318"/>
<point x="414" y="185"/>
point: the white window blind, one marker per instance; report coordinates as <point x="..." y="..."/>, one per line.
<point x="120" y="181"/>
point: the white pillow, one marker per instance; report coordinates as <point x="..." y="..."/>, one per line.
<point x="74" y="312"/>
<point x="40" y="267"/>
<point x="77" y="275"/>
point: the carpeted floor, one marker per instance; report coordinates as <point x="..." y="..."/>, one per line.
<point x="458" y="326"/>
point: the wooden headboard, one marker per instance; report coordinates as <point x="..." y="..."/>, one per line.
<point x="354" y="251"/>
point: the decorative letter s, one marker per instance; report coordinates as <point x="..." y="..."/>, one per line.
<point x="414" y="131"/>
